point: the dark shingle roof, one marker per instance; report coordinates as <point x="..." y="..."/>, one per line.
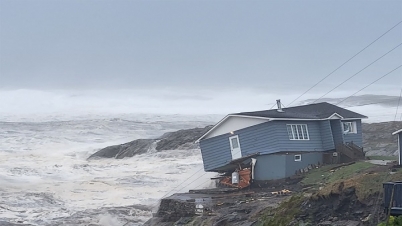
<point x="310" y="111"/>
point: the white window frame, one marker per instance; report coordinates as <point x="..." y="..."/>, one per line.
<point x="299" y="159"/>
<point x="352" y="125"/>
<point x="294" y="133"/>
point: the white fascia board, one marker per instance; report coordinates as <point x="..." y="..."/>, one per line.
<point x="335" y="115"/>
<point x="396" y="132"/>
<point x="270" y="119"/>
<point x="223" y="120"/>
<point x="209" y="131"/>
<point x="247" y="116"/>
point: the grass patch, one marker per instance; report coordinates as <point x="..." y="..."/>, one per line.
<point x="323" y="175"/>
<point x="377" y="157"/>
<point x="365" y="185"/>
<point x="283" y="214"/>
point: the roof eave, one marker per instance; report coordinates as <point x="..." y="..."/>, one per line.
<point x="397" y="132"/>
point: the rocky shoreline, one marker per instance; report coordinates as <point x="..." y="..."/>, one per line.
<point x="377" y="140"/>
<point x="181" y="139"/>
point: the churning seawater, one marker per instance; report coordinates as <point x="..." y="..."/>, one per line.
<point x="45" y="178"/>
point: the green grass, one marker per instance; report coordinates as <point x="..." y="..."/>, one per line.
<point x="378" y="157"/>
<point x="284" y="214"/>
<point x="366" y="185"/>
<point x="323" y="175"/>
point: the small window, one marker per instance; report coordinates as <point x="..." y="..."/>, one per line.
<point x="349" y="127"/>
<point x="297" y="132"/>
<point x="235" y="142"/>
<point x="297" y="158"/>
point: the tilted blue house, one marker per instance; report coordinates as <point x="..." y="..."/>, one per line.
<point x="282" y="141"/>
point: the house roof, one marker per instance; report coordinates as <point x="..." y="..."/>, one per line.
<point x="397" y="132"/>
<point x="318" y="111"/>
<point x="322" y="110"/>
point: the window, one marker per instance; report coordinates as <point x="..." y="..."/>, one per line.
<point x="297" y="158"/>
<point x="235" y="142"/>
<point x="349" y="127"/>
<point x="298" y="132"/>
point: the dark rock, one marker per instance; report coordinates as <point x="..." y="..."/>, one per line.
<point x="182" y="139"/>
<point x="173" y="140"/>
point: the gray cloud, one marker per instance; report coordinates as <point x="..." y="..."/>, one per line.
<point x="263" y="45"/>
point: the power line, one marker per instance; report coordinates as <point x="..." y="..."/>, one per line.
<point x="399" y="101"/>
<point x="272" y="106"/>
<point x="186" y="181"/>
<point x="345" y="62"/>
<point x="180" y="184"/>
<point x="358" y="72"/>
<point x="369" y="84"/>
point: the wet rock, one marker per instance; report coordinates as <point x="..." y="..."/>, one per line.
<point x="181" y="139"/>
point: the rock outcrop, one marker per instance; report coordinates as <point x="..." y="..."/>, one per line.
<point x="378" y="139"/>
<point x="181" y="139"/>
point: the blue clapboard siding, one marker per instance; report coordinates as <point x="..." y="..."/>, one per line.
<point x="215" y="152"/>
<point x="270" y="167"/>
<point x="266" y="138"/>
<point x="337" y="131"/>
<point x="355" y="137"/>
<point x="326" y="135"/>
<point x="272" y="137"/>
<point x="306" y="159"/>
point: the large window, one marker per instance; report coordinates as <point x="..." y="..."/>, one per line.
<point x="349" y="127"/>
<point x="298" y="132"/>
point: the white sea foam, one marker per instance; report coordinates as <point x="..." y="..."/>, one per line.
<point x="46" y="136"/>
<point x="44" y="174"/>
<point x="58" y="105"/>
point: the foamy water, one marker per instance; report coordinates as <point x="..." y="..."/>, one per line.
<point x="46" y="137"/>
<point x="44" y="174"/>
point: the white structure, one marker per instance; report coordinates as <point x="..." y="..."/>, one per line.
<point x="399" y="133"/>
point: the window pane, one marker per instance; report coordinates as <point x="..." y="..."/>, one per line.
<point x="346" y="127"/>
<point x="299" y="131"/>
<point x="305" y="132"/>
<point x="289" y="128"/>
<point x="297" y="157"/>
<point x="294" y="129"/>
<point x="353" y="127"/>
<point x="235" y="143"/>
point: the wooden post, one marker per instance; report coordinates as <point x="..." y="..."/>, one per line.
<point x="390" y="204"/>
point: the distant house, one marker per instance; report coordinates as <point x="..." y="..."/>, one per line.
<point x="283" y="141"/>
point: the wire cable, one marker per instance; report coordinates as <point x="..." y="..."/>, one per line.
<point x="369" y="84"/>
<point x="346" y="62"/>
<point x="350" y="77"/>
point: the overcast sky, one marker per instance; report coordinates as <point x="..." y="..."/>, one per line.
<point x="260" y="45"/>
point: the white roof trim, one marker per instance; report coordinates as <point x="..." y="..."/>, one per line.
<point x="224" y="119"/>
<point x="396" y="132"/>
<point x="272" y="119"/>
<point x="209" y="131"/>
<point x="335" y="115"/>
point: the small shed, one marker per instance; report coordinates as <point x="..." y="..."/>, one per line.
<point x="399" y="133"/>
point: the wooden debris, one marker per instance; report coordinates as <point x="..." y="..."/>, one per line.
<point x="281" y="192"/>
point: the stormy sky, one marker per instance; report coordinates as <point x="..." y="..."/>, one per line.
<point x="260" y="45"/>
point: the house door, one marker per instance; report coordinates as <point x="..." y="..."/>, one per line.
<point x="235" y="147"/>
